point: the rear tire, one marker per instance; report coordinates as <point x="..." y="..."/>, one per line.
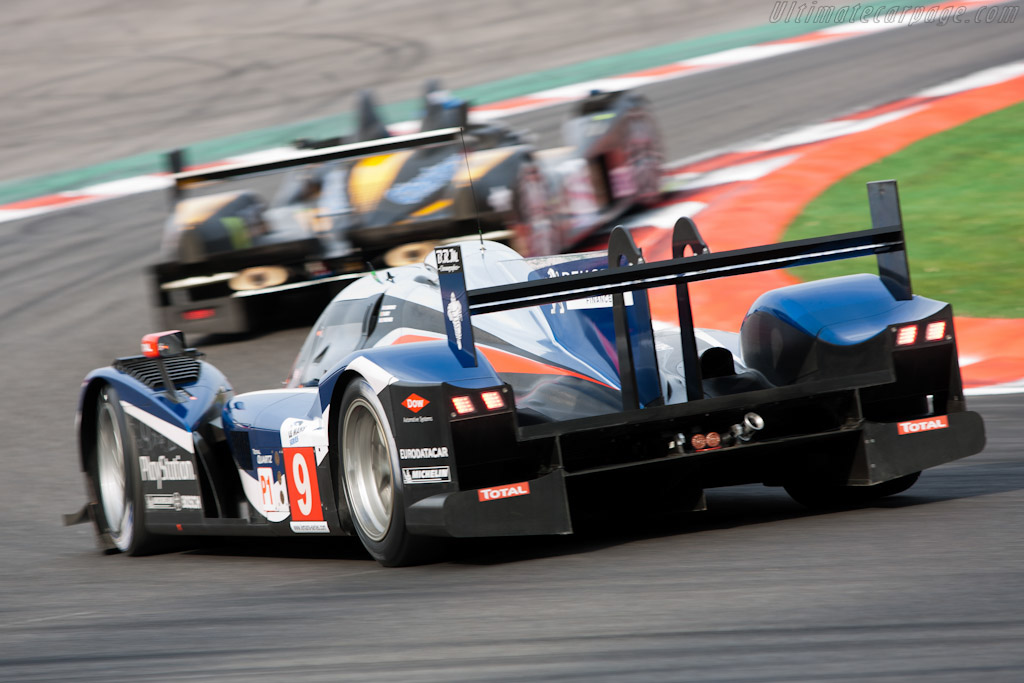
<point x="113" y="473"/>
<point x="368" y="479"/>
<point x="817" y="496"/>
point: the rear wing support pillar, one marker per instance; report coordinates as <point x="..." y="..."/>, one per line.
<point x="684" y="235"/>
<point x="884" y="200"/>
<point x="175" y="165"/>
<point x="622" y="247"/>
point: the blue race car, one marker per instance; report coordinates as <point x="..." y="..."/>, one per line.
<point x="481" y="393"/>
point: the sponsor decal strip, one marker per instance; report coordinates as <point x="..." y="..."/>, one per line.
<point x="531" y="102"/>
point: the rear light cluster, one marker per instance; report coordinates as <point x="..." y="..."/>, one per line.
<point x="486" y="401"/>
<point x="909" y="334"/>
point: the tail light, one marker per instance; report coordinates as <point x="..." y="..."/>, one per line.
<point x="463" y="405"/>
<point x="935" y="331"/>
<point x="199" y="314"/>
<point x="493" y="400"/>
<point x="906" y="335"/>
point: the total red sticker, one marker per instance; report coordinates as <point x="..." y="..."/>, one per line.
<point x="924" y="425"/>
<point x="507" y="491"/>
<point x="415" y="403"/>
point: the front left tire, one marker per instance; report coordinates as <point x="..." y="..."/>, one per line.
<point x="113" y="474"/>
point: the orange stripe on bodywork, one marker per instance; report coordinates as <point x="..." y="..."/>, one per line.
<point x="431" y="208"/>
<point x="503" y="361"/>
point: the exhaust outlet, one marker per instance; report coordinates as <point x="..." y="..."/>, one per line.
<point x="744" y="431"/>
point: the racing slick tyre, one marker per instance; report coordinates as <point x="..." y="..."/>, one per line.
<point x="534" y="223"/>
<point x="817" y="496"/>
<point x="112" y="469"/>
<point x="372" y="491"/>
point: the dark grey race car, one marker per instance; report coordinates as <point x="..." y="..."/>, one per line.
<point x="230" y="262"/>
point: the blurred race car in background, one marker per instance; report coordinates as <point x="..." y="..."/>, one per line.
<point x="483" y="394"/>
<point x="230" y="261"/>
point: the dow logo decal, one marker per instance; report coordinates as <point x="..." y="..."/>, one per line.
<point x="415" y="403"/>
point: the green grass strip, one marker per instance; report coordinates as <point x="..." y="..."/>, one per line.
<point x="961" y="193"/>
<point x="251" y="141"/>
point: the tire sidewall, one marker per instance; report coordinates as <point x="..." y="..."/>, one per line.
<point x="394" y="548"/>
<point x="129" y="539"/>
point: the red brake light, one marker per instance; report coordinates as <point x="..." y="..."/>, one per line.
<point x="462" y="404"/>
<point x="935" y="331"/>
<point x="713" y="439"/>
<point x="199" y="314"/>
<point x="906" y="335"/>
<point x="493" y="400"/>
<point x="698" y="441"/>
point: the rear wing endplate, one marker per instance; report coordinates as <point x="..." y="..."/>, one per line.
<point x="885" y="240"/>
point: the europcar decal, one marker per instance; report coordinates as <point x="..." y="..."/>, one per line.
<point x="924" y="425"/>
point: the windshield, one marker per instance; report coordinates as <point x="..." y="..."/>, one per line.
<point x="339" y="331"/>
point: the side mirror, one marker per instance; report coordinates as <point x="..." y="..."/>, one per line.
<point x="163" y="344"/>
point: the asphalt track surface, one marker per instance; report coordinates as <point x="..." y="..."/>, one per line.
<point x="925" y="586"/>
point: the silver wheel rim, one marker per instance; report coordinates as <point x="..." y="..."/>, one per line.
<point x="111" y="470"/>
<point x="368" y="476"/>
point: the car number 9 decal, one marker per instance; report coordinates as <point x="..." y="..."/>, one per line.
<point x="303" y="489"/>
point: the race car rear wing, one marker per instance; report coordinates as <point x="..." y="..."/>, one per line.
<point x="188" y="179"/>
<point x="885" y="240"/>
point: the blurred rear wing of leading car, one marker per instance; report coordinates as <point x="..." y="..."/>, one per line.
<point x="628" y="272"/>
<point x="188" y="179"/>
